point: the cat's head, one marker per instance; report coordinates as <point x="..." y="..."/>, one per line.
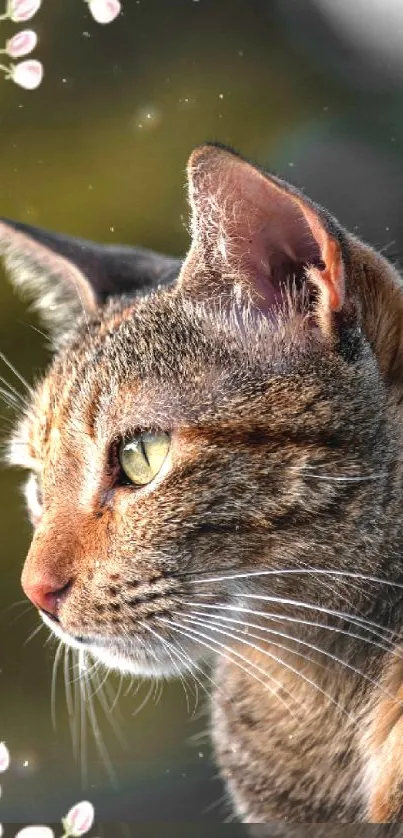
<point x="189" y="445"/>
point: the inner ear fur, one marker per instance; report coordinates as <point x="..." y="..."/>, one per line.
<point x="69" y="277"/>
<point x="253" y="233"/>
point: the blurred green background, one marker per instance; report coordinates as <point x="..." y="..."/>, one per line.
<point x="99" y="150"/>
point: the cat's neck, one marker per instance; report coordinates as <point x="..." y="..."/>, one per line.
<point x="272" y="706"/>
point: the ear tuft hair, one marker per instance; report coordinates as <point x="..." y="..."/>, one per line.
<point x="68" y="278"/>
<point x="255" y="234"/>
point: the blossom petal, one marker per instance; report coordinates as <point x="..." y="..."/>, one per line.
<point x="27" y="74"/>
<point x="35" y="832"/>
<point x="79" y="819"/>
<point x="4" y="757"/>
<point x="22" y="43"/>
<point x="105" y="11"/>
<point x="20" y="10"/>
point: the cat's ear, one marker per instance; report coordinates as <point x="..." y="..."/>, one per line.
<point x="65" y="276"/>
<point x="254" y="233"/>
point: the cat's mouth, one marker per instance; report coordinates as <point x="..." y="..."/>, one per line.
<point x="137" y="655"/>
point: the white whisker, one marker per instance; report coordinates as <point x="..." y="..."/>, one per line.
<point x="345" y="478"/>
<point x="70" y="703"/>
<point x="145" y="701"/>
<point x="168" y="647"/>
<point x="56" y="662"/>
<point x="362" y="622"/>
<point x="194" y="633"/>
<point x="34" y="633"/>
<point x="13" y="392"/>
<point x="311" y="646"/>
<point x="83" y="721"/>
<point x="99" y="742"/>
<point x="17" y="374"/>
<point x="108" y="710"/>
<point x="272" y="616"/>
<point x="282" y="663"/>
<point x="295" y="572"/>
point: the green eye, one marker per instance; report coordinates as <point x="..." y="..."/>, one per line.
<point x="142" y="457"/>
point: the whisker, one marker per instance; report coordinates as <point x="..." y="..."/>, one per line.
<point x="318" y="572"/>
<point x="270" y="615"/>
<point x="56" y="662"/>
<point x="158" y="687"/>
<point x="283" y="663"/>
<point x="134" y="686"/>
<point x="298" y="572"/>
<point x="311" y="646"/>
<point x="193" y="668"/>
<point x="70" y="703"/>
<point x="12" y="391"/>
<point x="344" y="478"/>
<point x="20" y="615"/>
<point x="144" y="702"/>
<point x="99" y="742"/>
<point x="17" y="374"/>
<point x="38" y="331"/>
<point x="9" y="399"/>
<point x="18" y="604"/>
<point x="83" y="721"/>
<point x="34" y="633"/>
<point x="166" y="646"/>
<point x="362" y="622"/>
<point x="196" y="666"/>
<point x="108" y="711"/>
<point x="117" y="694"/>
<point x="194" y="633"/>
<point x="198" y="616"/>
<point x="88" y="672"/>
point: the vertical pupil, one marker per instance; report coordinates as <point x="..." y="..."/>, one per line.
<point x="144" y="452"/>
<point x="142" y="456"/>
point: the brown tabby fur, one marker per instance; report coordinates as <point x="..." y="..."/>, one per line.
<point x="276" y="363"/>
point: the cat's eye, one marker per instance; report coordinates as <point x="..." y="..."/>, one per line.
<point x="142" y="456"/>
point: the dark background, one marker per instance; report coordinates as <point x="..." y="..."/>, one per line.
<point x="314" y="91"/>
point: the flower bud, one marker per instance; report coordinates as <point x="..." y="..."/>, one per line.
<point x="20" y="10"/>
<point x="79" y="819"/>
<point x="105" y="11"/>
<point x="22" y="43"/>
<point x="4" y="757"/>
<point x="27" y="74"/>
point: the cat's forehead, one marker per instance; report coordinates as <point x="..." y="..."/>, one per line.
<point x="161" y="362"/>
<point x="167" y="342"/>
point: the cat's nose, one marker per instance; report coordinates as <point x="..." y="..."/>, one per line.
<point x="45" y="593"/>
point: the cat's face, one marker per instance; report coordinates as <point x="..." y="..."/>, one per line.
<point x="229" y="425"/>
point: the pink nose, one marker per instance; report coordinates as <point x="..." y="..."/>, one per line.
<point x="45" y="594"/>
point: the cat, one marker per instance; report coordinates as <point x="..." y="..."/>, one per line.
<point x="215" y="474"/>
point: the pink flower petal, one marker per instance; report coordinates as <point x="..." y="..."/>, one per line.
<point x="35" y="832"/>
<point x="19" y="10"/>
<point x="79" y="819"/>
<point x="4" y="757"/>
<point x="105" y="11"/>
<point x="22" y="43"/>
<point x="27" y="74"/>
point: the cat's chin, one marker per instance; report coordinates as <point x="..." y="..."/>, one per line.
<point x="133" y="661"/>
<point x="128" y="657"/>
